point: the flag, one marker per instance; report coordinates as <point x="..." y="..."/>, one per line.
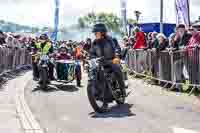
<point x="123" y="14"/>
<point x="56" y="21"/>
<point x="123" y="4"/>
<point x="182" y="12"/>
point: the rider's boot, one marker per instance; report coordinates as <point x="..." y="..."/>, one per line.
<point x="78" y="83"/>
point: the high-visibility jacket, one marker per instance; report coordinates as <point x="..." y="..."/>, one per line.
<point x="45" y="49"/>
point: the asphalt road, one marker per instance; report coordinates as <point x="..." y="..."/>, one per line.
<point x="149" y="109"/>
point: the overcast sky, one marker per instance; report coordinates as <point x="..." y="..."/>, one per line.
<point x="41" y="12"/>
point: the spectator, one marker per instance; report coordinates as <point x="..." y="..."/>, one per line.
<point x="155" y="57"/>
<point x="131" y="41"/>
<point x="139" y="39"/>
<point x="154" y="42"/>
<point x="192" y="30"/>
<point x="182" y="37"/>
<point x="149" y="40"/>
<point x="125" y="39"/>
<point x="9" y="41"/>
<point x="87" y="45"/>
<point x="77" y="52"/>
<point x="149" y="36"/>
<point x="69" y="48"/>
<point x="193" y="60"/>
<point x="162" y="41"/>
<point x="171" y="40"/>
<point x="16" y="43"/>
<point x="194" y="41"/>
<point x="32" y="45"/>
<point x="125" y="49"/>
<point x="164" y="59"/>
<point x="181" y="40"/>
<point x="2" y="38"/>
<point x="139" y="44"/>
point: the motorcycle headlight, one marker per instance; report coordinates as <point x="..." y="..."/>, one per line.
<point x="44" y="57"/>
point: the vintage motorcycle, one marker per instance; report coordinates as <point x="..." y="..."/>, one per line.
<point x="103" y="86"/>
<point x="44" y="70"/>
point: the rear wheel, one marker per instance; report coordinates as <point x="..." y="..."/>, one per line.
<point x="118" y="93"/>
<point x="120" y="101"/>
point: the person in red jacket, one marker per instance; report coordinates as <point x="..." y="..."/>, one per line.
<point x="139" y="39"/>
<point x="192" y="66"/>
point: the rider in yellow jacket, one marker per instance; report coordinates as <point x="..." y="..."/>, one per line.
<point x="44" y="47"/>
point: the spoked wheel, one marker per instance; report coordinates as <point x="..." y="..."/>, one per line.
<point x="97" y="102"/>
<point x="121" y="101"/>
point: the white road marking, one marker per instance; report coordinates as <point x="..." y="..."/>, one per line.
<point x="65" y="118"/>
<point x="28" y="120"/>
<point x="182" y="130"/>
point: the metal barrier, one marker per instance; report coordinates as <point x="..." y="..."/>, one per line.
<point x="167" y="67"/>
<point x="13" y="58"/>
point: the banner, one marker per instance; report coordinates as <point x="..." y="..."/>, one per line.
<point x="56" y="22"/>
<point x="123" y="14"/>
<point x="182" y="12"/>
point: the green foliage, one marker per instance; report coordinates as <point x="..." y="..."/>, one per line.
<point x="111" y="20"/>
<point x="81" y="23"/>
<point x="132" y="21"/>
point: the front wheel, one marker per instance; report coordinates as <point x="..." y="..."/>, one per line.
<point x="93" y="96"/>
<point x="43" y="78"/>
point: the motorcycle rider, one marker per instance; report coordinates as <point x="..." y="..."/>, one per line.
<point x="60" y="68"/>
<point x="104" y="46"/>
<point x="45" y="47"/>
<point x="63" y="53"/>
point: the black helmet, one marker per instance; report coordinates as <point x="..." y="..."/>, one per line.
<point x="44" y="37"/>
<point x="99" y="28"/>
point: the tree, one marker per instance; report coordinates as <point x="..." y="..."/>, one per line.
<point x="81" y="23"/>
<point x="45" y="29"/>
<point x="112" y="21"/>
<point x="132" y="21"/>
<point x="198" y="20"/>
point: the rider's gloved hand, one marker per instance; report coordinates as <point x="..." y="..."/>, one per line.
<point x="116" y="60"/>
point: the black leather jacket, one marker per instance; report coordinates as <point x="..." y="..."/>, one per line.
<point x="182" y="42"/>
<point x="104" y="47"/>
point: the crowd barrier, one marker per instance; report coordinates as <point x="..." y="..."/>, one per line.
<point x="168" y="67"/>
<point x="13" y="58"/>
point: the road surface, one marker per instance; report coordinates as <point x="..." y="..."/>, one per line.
<point x="149" y="109"/>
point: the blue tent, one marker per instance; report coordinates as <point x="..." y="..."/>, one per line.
<point x="151" y="27"/>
